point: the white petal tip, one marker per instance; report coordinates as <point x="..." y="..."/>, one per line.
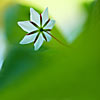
<point x="53" y="23"/>
<point x="18" y="23"/>
<point x="22" y="43"/>
<point x="36" y="49"/>
<point x="31" y="9"/>
<point x="46" y="8"/>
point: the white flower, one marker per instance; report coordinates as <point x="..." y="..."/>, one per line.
<point x="38" y="28"/>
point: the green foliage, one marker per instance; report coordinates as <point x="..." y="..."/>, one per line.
<point x="54" y="72"/>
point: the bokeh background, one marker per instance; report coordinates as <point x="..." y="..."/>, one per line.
<point x="54" y="72"/>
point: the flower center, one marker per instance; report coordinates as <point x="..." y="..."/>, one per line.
<point x="41" y="29"/>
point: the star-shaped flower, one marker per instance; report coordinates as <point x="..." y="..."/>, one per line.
<point x="38" y="28"/>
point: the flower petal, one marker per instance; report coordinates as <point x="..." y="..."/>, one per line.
<point x="39" y="42"/>
<point x="34" y="16"/>
<point x="50" y="24"/>
<point x="27" y="26"/>
<point x="47" y="36"/>
<point x="28" y="39"/>
<point x="45" y="16"/>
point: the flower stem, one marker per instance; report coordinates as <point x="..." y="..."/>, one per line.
<point x="58" y="40"/>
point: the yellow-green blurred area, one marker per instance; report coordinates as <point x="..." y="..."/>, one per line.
<point x="54" y="72"/>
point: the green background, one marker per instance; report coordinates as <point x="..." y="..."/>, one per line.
<point x="54" y="72"/>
